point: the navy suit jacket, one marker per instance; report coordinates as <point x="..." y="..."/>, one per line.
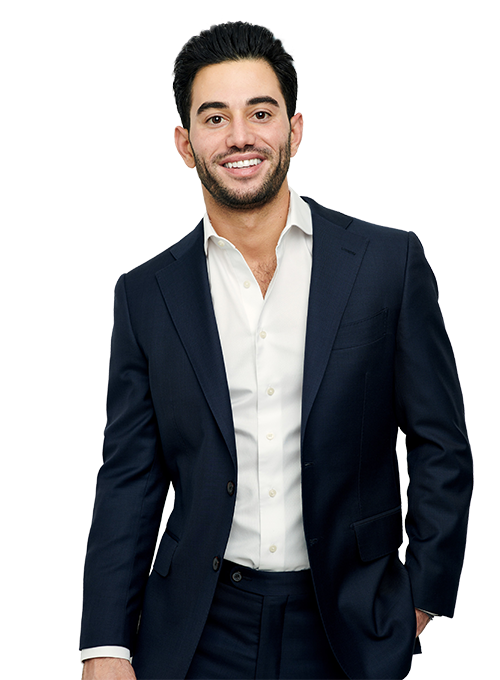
<point x="377" y="358"/>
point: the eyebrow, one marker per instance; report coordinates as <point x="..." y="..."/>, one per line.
<point x="263" y="100"/>
<point x="250" y="102"/>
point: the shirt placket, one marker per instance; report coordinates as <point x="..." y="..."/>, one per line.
<point x="269" y="433"/>
<point x="270" y="444"/>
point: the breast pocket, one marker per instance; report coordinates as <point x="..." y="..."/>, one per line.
<point x="362" y="332"/>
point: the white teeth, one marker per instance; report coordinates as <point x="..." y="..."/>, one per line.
<point x="243" y="164"/>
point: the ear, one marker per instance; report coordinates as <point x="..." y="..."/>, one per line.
<point x="183" y="145"/>
<point x="296" y="129"/>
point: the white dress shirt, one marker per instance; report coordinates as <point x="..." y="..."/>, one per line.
<point x="263" y="342"/>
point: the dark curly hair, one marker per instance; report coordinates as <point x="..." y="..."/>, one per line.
<point x="232" y="42"/>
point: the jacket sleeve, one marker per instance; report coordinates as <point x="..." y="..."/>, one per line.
<point x="430" y="412"/>
<point x="131" y="488"/>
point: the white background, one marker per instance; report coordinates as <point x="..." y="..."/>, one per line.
<point x="400" y="101"/>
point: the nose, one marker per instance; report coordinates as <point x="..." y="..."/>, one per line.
<point x="240" y="133"/>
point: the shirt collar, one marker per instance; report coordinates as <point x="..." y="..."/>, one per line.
<point x="299" y="215"/>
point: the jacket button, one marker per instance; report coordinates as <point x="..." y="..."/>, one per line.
<point x="230" y="488"/>
<point x="216" y="563"/>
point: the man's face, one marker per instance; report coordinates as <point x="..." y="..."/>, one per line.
<point x="241" y="139"/>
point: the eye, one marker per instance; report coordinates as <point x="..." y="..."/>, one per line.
<point x="215" y="120"/>
<point x="261" y="115"/>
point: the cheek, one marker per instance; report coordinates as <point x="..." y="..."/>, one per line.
<point x="207" y="152"/>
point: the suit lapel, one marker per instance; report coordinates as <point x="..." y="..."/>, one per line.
<point x="185" y="288"/>
<point x="337" y="256"/>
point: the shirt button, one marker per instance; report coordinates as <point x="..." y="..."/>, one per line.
<point x="270" y="391"/>
<point x="273" y="549"/>
<point x="263" y="334"/>
<point x="221" y="244"/>
<point x="247" y="284"/>
<point x="272" y="493"/>
<point x="270" y="436"/>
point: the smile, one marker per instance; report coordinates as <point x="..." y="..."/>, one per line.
<point x="243" y="164"/>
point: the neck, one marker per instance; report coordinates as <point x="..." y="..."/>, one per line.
<point x="254" y="232"/>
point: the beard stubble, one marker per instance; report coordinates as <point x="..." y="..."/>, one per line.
<point x="244" y="200"/>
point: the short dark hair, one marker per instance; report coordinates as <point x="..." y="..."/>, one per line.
<point x="232" y="42"/>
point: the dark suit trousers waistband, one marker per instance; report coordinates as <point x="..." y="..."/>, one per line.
<point x="274" y="583"/>
<point x="264" y="625"/>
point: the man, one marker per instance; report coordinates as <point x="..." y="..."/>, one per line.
<point x="263" y="365"/>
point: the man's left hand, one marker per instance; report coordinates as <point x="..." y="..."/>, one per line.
<point x="422" y="620"/>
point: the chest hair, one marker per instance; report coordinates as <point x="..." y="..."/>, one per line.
<point x="264" y="272"/>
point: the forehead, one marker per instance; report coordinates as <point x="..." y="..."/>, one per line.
<point x="235" y="82"/>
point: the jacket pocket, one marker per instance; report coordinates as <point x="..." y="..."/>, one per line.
<point x="165" y="553"/>
<point x="362" y="332"/>
<point x="379" y="535"/>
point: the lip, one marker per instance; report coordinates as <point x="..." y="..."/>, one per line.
<point x="243" y="172"/>
<point x="242" y="157"/>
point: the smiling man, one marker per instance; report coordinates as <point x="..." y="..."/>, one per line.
<point x="262" y="367"/>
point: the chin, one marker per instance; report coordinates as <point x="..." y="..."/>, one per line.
<point x="244" y="199"/>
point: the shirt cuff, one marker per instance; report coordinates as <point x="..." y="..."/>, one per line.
<point x="430" y="614"/>
<point x="109" y="651"/>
